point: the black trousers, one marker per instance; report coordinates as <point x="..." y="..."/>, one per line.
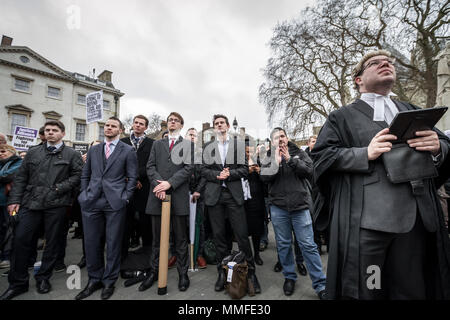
<point x="401" y="260"/>
<point x="180" y="232"/>
<point x="225" y="208"/>
<point x="24" y="244"/>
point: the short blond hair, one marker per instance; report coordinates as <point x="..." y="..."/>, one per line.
<point x="8" y="147"/>
<point x="358" y="69"/>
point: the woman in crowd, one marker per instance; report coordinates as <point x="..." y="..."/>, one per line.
<point x="9" y="164"/>
<point x="254" y="205"/>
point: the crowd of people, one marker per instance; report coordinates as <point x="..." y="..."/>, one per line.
<point x="336" y="192"/>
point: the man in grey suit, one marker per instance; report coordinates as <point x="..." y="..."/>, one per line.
<point x="107" y="183"/>
<point x="169" y="168"/>
<point x="387" y="238"/>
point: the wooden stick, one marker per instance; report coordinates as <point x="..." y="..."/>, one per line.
<point x="164" y="246"/>
<point x="192" y="257"/>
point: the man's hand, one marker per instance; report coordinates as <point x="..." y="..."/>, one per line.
<point x="84" y="157"/>
<point x="380" y="144"/>
<point x="162" y="186"/>
<point x="427" y="141"/>
<point x="278" y="155"/>
<point x="195" y="197"/>
<point x="224" y="174"/>
<point x="138" y="185"/>
<point x="160" y="195"/>
<point x="13" y="208"/>
<point x="285" y="152"/>
<point x="254" y="168"/>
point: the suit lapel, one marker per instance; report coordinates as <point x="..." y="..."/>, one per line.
<point x="367" y="110"/>
<point x="99" y="156"/>
<point x="166" y="144"/>
<point x="113" y="156"/>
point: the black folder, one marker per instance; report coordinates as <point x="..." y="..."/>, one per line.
<point x="407" y="123"/>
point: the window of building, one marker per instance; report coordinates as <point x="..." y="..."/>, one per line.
<point x="54" y="92"/>
<point x="101" y="132"/>
<point x="81" y="99"/>
<point x="22" y="85"/>
<point x="106" y="105"/>
<point x="80" y="132"/>
<point x="18" y="120"/>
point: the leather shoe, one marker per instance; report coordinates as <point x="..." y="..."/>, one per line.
<point x="323" y="295"/>
<point x="258" y="260"/>
<point x="277" y="267"/>
<point x="43" y="286"/>
<point x="183" y="282"/>
<point x="301" y="269"/>
<point x="172" y="261"/>
<point x="82" y="262"/>
<point x="220" y="283"/>
<point x="288" y="287"/>
<point x="107" y="292"/>
<point x="90" y="289"/>
<point x="11" y="293"/>
<point x="255" y="282"/>
<point x="128" y="274"/>
<point x="148" y="282"/>
<point x="139" y="277"/>
<point x="201" y="262"/>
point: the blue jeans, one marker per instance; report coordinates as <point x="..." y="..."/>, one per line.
<point x="300" y="221"/>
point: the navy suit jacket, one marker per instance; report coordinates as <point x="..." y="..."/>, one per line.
<point x="117" y="180"/>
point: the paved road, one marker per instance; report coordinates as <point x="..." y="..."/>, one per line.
<point x="201" y="288"/>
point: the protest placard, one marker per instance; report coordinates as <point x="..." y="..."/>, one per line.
<point x="24" y="138"/>
<point x="94" y="107"/>
<point x="81" y="147"/>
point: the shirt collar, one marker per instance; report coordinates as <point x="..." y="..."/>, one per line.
<point x="226" y="140"/>
<point x="114" y="142"/>
<point x="134" y="137"/>
<point x="370" y="96"/>
<point x="57" y="146"/>
<point x="176" y="137"/>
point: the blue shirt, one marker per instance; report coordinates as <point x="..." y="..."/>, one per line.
<point x="112" y="146"/>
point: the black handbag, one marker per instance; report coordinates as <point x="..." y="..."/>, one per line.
<point x="405" y="164"/>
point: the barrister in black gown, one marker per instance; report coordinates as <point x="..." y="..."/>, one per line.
<point x="255" y="208"/>
<point x="365" y="210"/>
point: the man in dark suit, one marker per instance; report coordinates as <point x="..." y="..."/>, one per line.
<point x="138" y="202"/>
<point x="167" y="175"/>
<point x="387" y="239"/>
<point x="108" y="181"/>
<point x="225" y="164"/>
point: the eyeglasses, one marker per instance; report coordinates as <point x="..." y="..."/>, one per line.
<point x="377" y="62"/>
<point x="173" y="120"/>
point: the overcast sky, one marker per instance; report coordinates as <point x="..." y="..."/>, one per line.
<point x="196" y="57"/>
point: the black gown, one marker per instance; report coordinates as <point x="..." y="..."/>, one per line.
<point x="338" y="206"/>
<point x="255" y="207"/>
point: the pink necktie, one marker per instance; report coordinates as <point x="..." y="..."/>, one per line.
<point x="171" y="145"/>
<point x="108" y="150"/>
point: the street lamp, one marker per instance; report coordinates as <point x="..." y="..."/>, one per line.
<point x="235" y="124"/>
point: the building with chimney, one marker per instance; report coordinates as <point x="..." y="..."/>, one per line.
<point x="34" y="90"/>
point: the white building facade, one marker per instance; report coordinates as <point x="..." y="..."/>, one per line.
<point x="34" y="90"/>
